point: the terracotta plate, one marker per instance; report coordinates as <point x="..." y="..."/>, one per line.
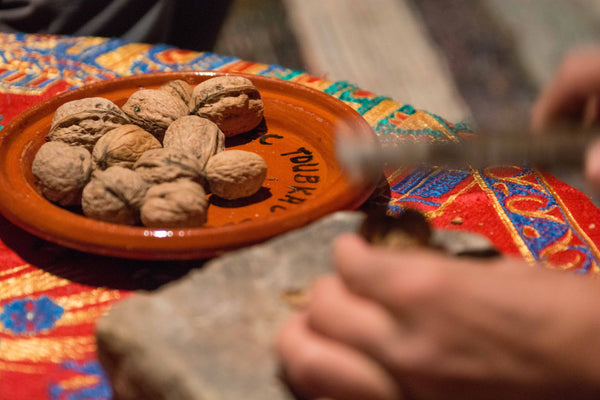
<point x="304" y="181"/>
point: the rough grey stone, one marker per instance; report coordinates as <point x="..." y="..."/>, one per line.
<point x="209" y="336"/>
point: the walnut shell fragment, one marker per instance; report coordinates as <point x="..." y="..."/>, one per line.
<point x="168" y="165"/>
<point x="175" y="205"/>
<point x="411" y="229"/>
<point x="114" y="195"/>
<point x="154" y="110"/>
<point x="85" y="104"/>
<point x="179" y="88"/>
<point x="86" y="127"/>
<point x="123" y="146"/>
<point x="61" y="172"/>
<point x="198" y="136"/>
<point x="408" y="230"/>
<point x="235" y="174"/>
<point x="231" y="102"/>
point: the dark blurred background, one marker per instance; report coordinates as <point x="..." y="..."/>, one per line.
<point x="480" y="61"/>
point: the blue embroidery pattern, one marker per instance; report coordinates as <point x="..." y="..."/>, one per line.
<point x="550" y="231"/>
<point x="82" y="66"/>
<point x="29" y="316"/>
<point x="427" y="186"/>
<point x="100" y="389"/>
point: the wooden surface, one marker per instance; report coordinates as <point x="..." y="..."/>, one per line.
<point x="482" y="61"/>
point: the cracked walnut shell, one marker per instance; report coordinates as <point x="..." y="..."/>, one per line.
<point x="114" y="195"/>
<point x="175" y="205"/>
<point x="154" y="110"/>
<point x="179" y="88"/>
<point x="168" y="165"/>
<point x="195" y="135"/>
<point x="61" y="172"/>
<point x="234" y="174"/>
<point x="123" y="146"/>
<point x="85" y="104"/>
<point x="86" y="127"/>
<point x="231" y="102"/>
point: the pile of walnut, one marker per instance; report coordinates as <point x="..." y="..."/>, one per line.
<point x="153" y="161"/>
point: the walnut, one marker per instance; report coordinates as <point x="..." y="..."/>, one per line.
<point x="198" y="136"/>
<point x="175" y="205"/>
<point x="154" y="110"/>
<point x="232" y="102"/>
<point x="234" y="174"/>
<point x="85" y="104"/>
<point x="180" y="89"/>
<point x="122" y="146"/>
<point x="61" y="172"/>
<point x="84" y="128"/>
<point x="114" y="195"/>
<point x="167" y="165"/>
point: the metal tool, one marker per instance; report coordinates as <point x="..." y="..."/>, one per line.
<point x="561" y="153"/>
<point x="564" y="150"/>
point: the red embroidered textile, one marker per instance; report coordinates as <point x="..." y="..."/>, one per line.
<point x="51" y="297"/>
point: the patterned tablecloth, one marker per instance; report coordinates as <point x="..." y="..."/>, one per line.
<point x="51" y="297"/>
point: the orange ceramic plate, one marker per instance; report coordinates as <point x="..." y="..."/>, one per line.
<point x="304" y="181"/>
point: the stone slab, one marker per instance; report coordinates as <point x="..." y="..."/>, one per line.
<point x="209" y="335"/>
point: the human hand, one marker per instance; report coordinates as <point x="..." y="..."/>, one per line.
<point x="573" y="97"/>
<point x="418" y="325"/>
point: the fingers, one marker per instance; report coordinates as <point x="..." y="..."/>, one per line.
<point x="573" y="93"/>
<point x="341" y="315"/>
<point x="319" y="367"/>
<point x="393" y="278"/>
